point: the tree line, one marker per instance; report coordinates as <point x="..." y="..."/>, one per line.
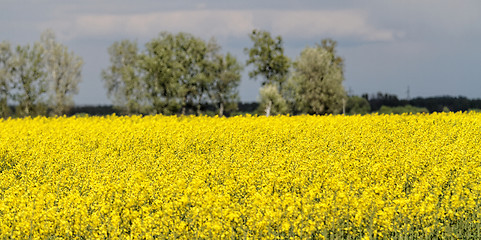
<point x="183" y="74"/>
<point x="173" y="74"/>
<point x="427" y="104"/>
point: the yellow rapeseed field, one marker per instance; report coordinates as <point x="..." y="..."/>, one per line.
<point x="344" y="177"/>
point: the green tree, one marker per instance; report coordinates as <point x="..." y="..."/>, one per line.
<point x="272" y="101"/>
<point x="192" y="54"/>
<point x="267" y="57"/>
<point x="122" y="77"/>
<point x="317" y="78"/>
<point x="28" y="76"/>
<point x="5" y="78"/>
<point x="357" y="105"/>
<point x="161" y="73"/>
<point x="226" y="78"/>
<point x="63" y="73"/>
<point x="176" y="70"/>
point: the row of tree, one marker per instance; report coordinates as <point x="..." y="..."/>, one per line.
<point x="180" y="74"/>
<point x="38" y="79"/>
<point x="173" y="74"/>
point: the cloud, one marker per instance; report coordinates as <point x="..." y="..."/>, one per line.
<point x="345" y="23"/>
<point x="225" y="23"/>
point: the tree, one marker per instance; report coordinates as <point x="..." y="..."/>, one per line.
<point x="63" y="73"/>
<point x="226" y="78"/>
<point x="357" y="105"/>
<point x="272" y="101"/>
<point x="161" y="73"/>
<point x="192" y="53"/>
<point x="379" y="99"/>
<point x="122" y="77"/>
<point x="176" y="72"/>
<point x="5" y="78"/>
<point x="317" y="77"/>
<point x="267" y="57"/>
<point x="28" y="77"/>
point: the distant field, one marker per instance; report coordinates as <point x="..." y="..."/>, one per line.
<point x="348" y="177"/>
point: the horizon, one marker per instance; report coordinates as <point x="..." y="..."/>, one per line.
<point x="252" y="102"/>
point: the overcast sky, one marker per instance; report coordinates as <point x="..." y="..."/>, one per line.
<point x="434" y="46"/>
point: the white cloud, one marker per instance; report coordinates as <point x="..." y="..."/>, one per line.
<point x="345" y="23"/>
<point x="433" y="19"/>
<point x="225" y="23"/>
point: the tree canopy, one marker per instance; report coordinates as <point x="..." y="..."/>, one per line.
<point x="63" y="72"/>
<point x="317" y="80"/>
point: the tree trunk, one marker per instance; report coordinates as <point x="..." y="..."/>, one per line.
<point x="268" y="108"/>
<point x="221" y="109"/>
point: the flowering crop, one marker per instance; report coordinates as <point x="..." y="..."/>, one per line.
<point x="373" y="176"/>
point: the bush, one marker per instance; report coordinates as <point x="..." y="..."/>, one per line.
<point x="400" y="110"/>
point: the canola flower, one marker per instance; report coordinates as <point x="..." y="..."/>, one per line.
<point x="249" y="177"/>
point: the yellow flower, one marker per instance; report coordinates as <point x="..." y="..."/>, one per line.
<point x="241" y="177"/>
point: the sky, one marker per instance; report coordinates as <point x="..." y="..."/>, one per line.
<point x="431" y="47"/>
